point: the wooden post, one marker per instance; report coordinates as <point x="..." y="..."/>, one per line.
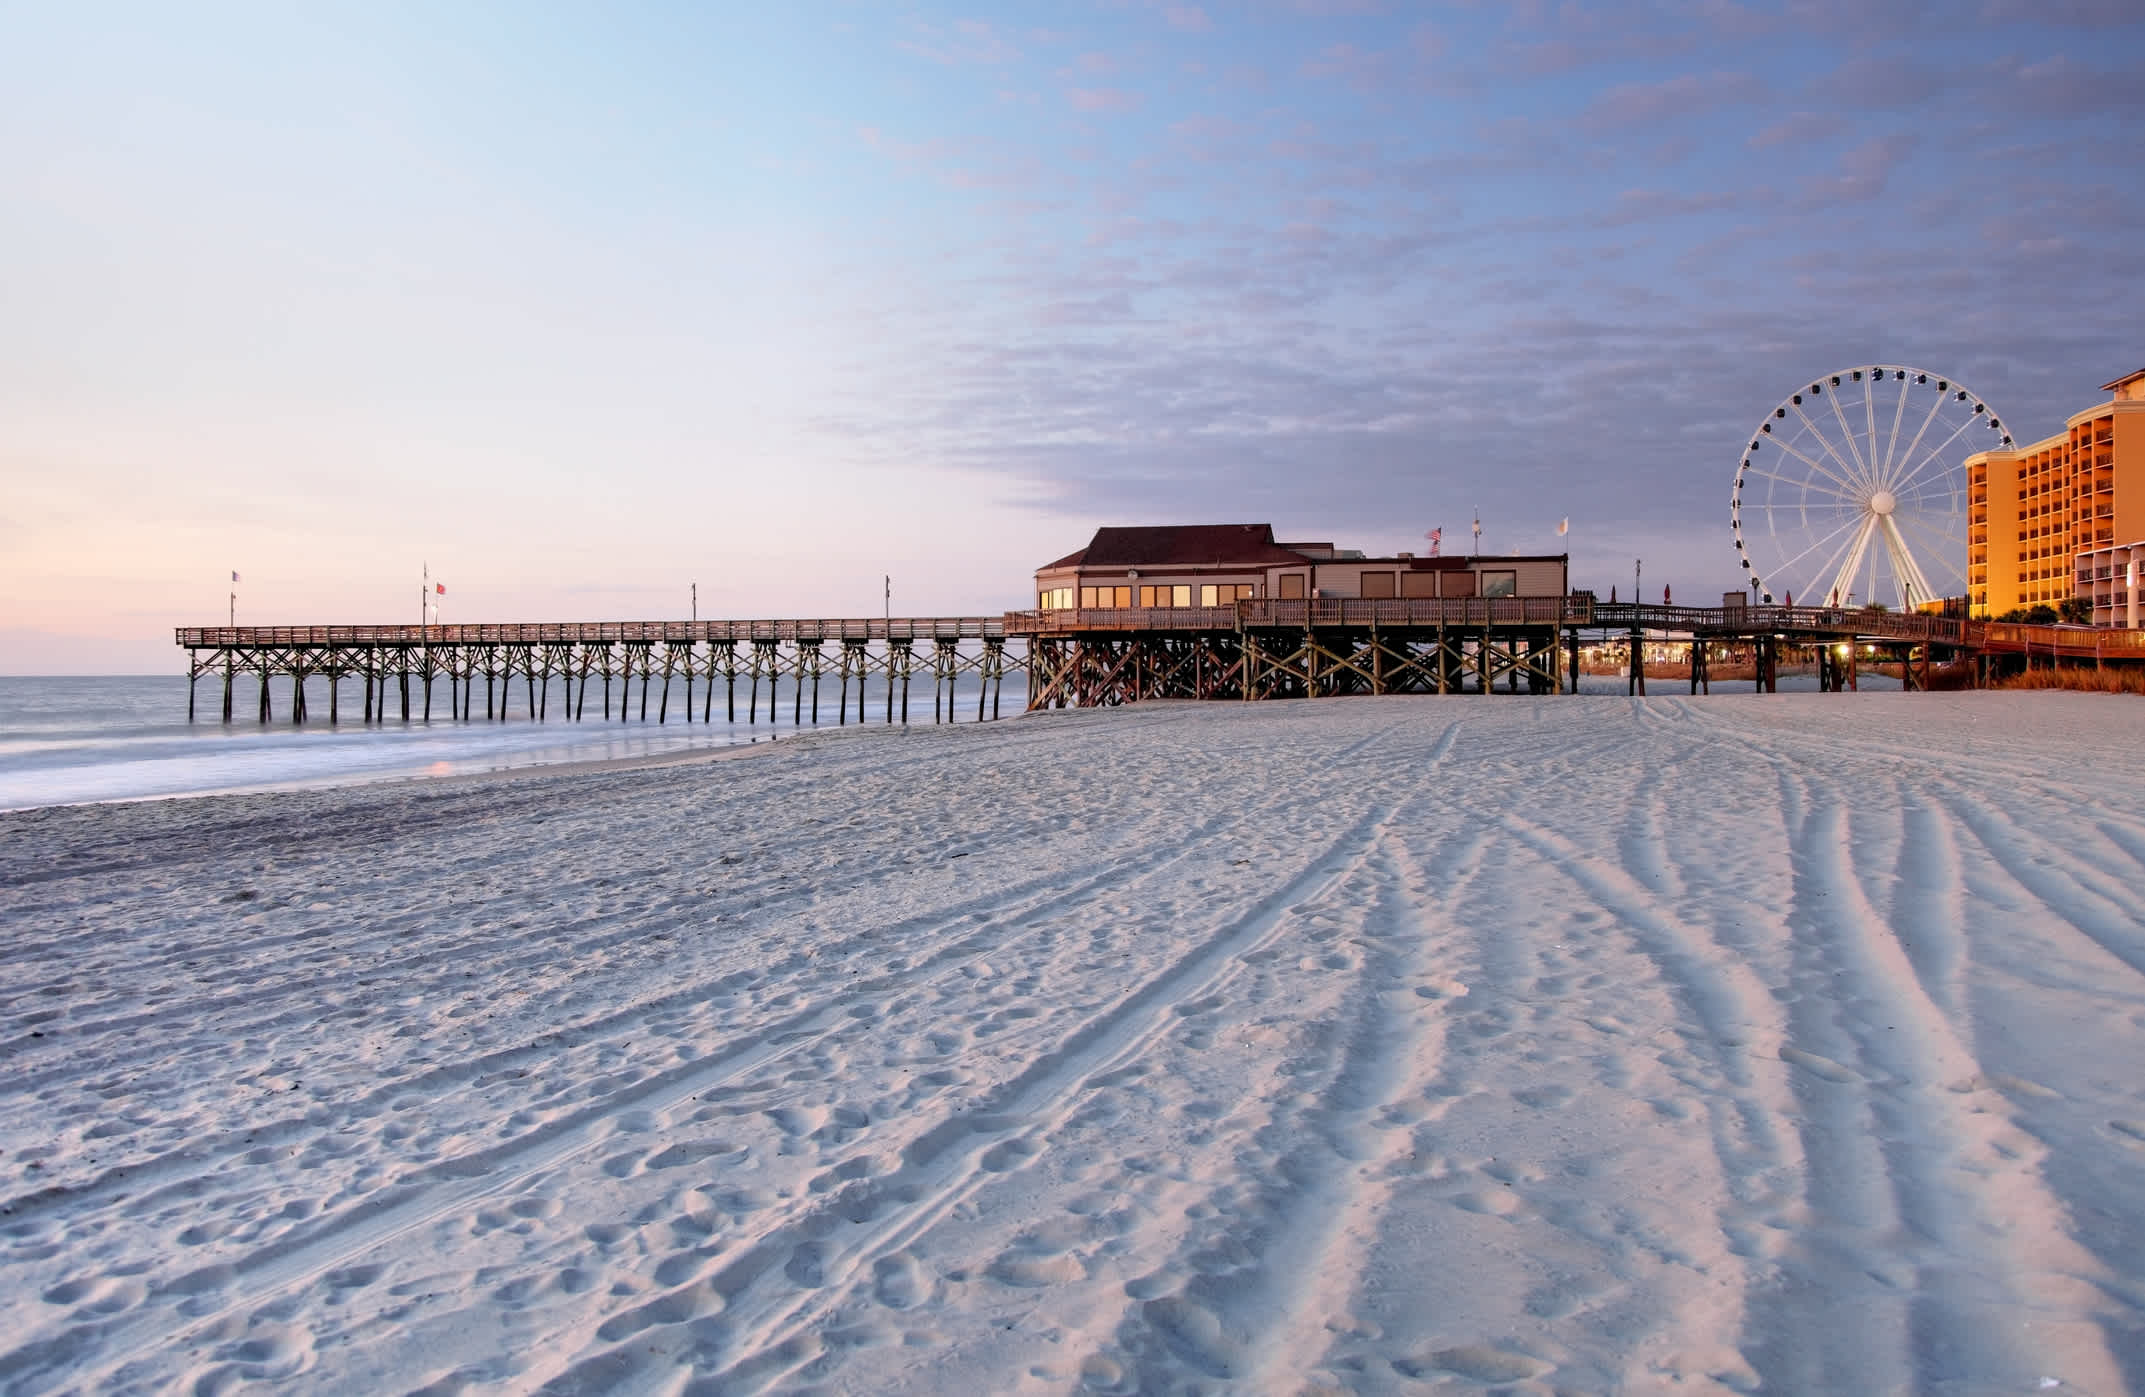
<point x="193" y="677"/>
<point x="334" y="698"/>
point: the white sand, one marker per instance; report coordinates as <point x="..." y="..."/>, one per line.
<point x="1572" y="1044"/>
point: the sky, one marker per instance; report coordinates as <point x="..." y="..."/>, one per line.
<point x="583" y="308"/>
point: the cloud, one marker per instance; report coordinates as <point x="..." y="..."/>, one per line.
<point x="1102" y="99"/>
<point x="2081" y="14"/>
<point x="1884" y="82"/>
<point x="1679" y="98"/>
<point x="965" y="43"/>
<point x="1188" y="18"/>
<point x="1862" y="173"/>
<point x="2062" y="86"/>
<point x="1798" y="129"/>
<point x="1641" y="205"/>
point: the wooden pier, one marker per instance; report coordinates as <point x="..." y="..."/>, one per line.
<point x="1249" y="651"/>
<point x="414" y="671"/>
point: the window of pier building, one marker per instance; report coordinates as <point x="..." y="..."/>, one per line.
<point x="1292" y="586"/>
<point x="1378" y="585"/>
<point x="1056" y="599"/>
<point x="1419" y="584"/>
<point x="1097" y="598"/>
<point x="1226" y="593"/>
<point x="1165" y="594"/>
<point x="1500" y="584"/>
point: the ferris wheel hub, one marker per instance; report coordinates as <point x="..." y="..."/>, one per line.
<point x="1883" y="502"/>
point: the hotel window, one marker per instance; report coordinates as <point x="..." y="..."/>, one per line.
<point x="1500" y="584"/>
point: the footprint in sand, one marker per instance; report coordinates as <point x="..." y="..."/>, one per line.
<point x="1820" y="1066"/>
<point x="899" y="1282"/>
<point x="1476" y="1361"/>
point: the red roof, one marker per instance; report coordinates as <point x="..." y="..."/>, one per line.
<point x="1180" y="545"/>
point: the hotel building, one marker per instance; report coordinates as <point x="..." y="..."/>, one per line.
<point x="2044" y="518"/>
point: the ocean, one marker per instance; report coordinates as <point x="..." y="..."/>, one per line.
<point x="68" y="741"/>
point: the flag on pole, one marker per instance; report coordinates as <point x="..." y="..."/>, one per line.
<point x="1437" y="540"/>
<point x="1564" y="526"/>
<point x="234" y="577"/>
<point x="439" y="589"/>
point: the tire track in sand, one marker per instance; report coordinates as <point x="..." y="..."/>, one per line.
<point x="752" y="1321"/>
<point x="211" y="1293"/>
<point x="1342" y="1178"/>
<point x="1898" y="1134"/>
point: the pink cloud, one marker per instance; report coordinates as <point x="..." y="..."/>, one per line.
<point x="1686" y="95"/>
<point x="1189" y="18"/>
<point x="1102" y="99"/>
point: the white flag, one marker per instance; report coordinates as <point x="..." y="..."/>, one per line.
<point x="1565" y="527"/>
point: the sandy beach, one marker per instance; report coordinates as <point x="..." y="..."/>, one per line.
<point x="1784" y="1044"/>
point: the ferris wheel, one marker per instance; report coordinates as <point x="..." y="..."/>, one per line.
<point x="1853" y="491"/>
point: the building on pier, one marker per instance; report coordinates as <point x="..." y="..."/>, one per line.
<point x="1227" y="611"/>
<point x="1177" y="566"/>
<point x="2035" y="511"/>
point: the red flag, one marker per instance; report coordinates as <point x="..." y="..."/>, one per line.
<point x="440" y="588"/>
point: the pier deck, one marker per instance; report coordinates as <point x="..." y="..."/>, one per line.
<point x="1253" y="650"/>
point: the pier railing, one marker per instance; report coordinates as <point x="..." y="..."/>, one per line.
<point x="1273" y="613"/>
<point x="604" y="632"/>
<point x="1918" y="627"/>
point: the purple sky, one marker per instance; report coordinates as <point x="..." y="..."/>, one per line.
<point x="583" y="308"/>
